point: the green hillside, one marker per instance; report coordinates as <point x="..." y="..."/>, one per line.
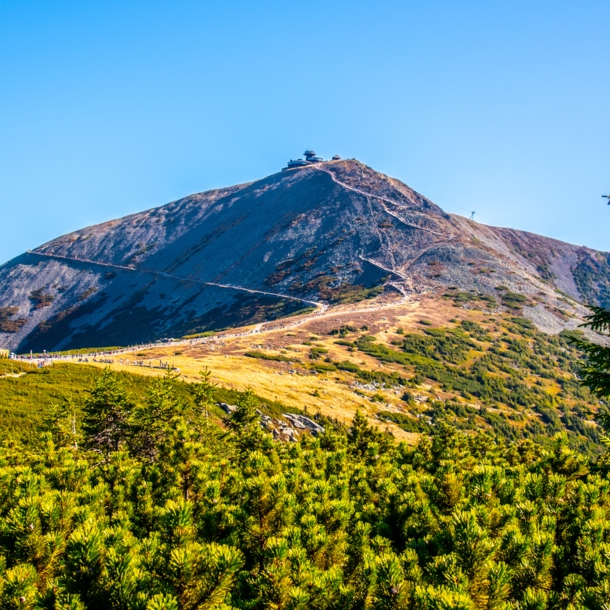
<point x="501" y="375"/>
<point x="184" y="515"/>
<point x="26" y="401"/>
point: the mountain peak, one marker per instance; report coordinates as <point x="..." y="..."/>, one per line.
<point x="324" y="232"/>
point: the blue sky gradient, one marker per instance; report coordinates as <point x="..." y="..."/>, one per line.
<point x="108" y="108"/>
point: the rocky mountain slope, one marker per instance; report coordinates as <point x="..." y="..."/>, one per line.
<point x="332" y="232"/>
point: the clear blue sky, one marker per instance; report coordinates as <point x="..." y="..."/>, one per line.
<point x="107" y="108"/>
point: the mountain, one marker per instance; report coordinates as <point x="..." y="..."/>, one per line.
<point x="330" y="232"/>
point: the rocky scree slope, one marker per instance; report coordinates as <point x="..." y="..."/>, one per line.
<point x="332" y="232"/>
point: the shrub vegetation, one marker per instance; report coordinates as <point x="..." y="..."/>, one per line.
<point x="144" y="503"/>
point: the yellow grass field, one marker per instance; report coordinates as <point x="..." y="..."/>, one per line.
<point x="333" y="393"/>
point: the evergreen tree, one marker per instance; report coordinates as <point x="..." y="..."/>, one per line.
<point x="106" y="415"/>
<point x="596" y="374"/>
<point x="245" y="423"/>
<point x="363" y="439"/>
<point x="154" y="422"/>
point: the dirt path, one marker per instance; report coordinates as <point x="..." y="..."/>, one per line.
<point x="260" y="328"/>
<point x="176" y="277"/>
<point x="327" y="314"/>
<point x="380" y="266"/>
<point x="383" y="200"/>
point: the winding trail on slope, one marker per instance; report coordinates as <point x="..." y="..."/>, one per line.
<point x="383" y="200"/>
<point x="445" y="238"/>
<point x="176" y="277"/>
<point x="259" y="328"/>
<point x="380" y="266"/>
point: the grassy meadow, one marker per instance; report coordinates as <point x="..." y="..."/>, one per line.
<point x="25" y="401"/>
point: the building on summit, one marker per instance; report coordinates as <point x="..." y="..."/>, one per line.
<point x="310" y="158"/>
